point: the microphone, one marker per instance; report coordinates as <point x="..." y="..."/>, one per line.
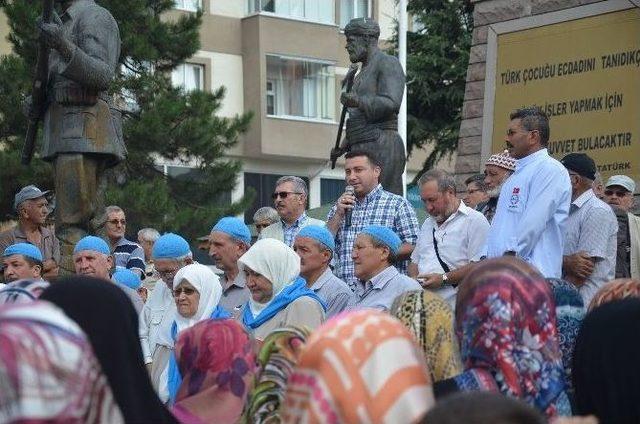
<point x="347" y="214"/>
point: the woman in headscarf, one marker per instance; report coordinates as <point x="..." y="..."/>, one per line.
<point x="362" y="366"/>
<point x="506" y="324"/>
<point x="197" y="292"/>
<point x="107" y="316"/>
<point x="22" y="291"/>
<point x="430" y="321"/>
<point x="621" y="288"/>
<point x="569" y="314"/>
<point x="48" y="372"/>
<point x="217" y="362"/>
<point x="606" y="369"/>
<point x="277" y="359"/>
<point x="279" y="296"/>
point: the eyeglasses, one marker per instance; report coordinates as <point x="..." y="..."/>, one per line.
<point x="186" y="290"/>
<point x="617" y="193"/>
<point x="511" y="132"/>
<point x="122" y="222"/>
<point x="261" y="226"/>
<point x="167" y="273"/>
<point x="283" y="194"/>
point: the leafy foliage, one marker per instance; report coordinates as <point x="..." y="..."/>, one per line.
<point x="159" y="120"/>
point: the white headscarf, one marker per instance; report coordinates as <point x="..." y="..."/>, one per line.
<point x="274" y="260"/>
<point x="207" y="284"/>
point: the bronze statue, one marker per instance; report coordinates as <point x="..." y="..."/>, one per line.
<point x="82" y="132"/>
<point x="373" y="103"/>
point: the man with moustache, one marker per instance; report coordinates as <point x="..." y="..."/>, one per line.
<point x="534" y="202"/>
<point x="290" y="200"/>
<point x="498" y="168"/>
<point x="453" y="236"/>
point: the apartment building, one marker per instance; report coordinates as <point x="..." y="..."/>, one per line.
<point x="283" y="60"/>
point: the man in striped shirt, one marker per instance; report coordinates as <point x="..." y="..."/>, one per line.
<point x="126" y="253"/>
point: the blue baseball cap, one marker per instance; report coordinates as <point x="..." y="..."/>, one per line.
<point x="320" y="234"/>
<point x="24" y="249"/>
<point x="234" y="227"/>
<point x="170" y="246"/>
<point x="92" y="243"/>
<point x="385" y="236"/>
<point x="127" y="278"/>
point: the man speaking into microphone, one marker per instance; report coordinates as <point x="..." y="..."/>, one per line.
<point x="365" y="203"/>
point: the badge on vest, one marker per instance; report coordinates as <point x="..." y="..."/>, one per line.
<point x="514" y="202"/>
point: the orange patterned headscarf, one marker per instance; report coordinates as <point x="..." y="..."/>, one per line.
<point x="621" y="288"/>
<point x="361" y="366"/>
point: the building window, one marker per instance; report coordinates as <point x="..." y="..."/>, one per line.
<point x="312" y="10"/>
<point x="300" y="88"/>
<point x="189" y="76"/>
<point x="351" y="9"/>
<point x="330" y="190"/>
<point x="190" y="5"/>
<point x="263" y="185"/>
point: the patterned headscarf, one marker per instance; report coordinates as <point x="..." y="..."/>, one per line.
<point x="430" y="321"/>
<point x="277" y="358"/>
<point x="217" y="365"/>
<point x="621" y="288"/>
<point x="48" y="372"/>
<point x="22" y="291"/>
<point x="361" y="366"/>
<point x="506" y="324"/>
<point x="569" y="314"/>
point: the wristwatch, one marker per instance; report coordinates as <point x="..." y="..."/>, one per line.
<point x="445" y="280"/>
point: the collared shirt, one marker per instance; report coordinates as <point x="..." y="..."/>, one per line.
<point x="379" y="207"/>
<point x="461" y="239"/>
<point x="234" y="295"/>
<point x="157" y="316"/>
<point x="49" y="245"/>
<point x="532" y="208"/>
<point x="291" y="231"/>
<point x="592" y="227"/>
<point x="334" y="292"/>
<point x="380" y="291"/>
<point x="129" y="255"/>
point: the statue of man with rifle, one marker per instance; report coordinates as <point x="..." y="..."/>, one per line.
<point x="81" y="130"/>
<point x="373" y="103"/>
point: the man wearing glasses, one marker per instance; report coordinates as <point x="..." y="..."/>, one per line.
<point x="534" y="202"/>
<point x="290" y="200"/>
<point x="127" y="254"/>
<point x="619" y="194"/>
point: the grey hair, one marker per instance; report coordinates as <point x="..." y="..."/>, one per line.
<point x="149" y="234"/>
<point x="478" y="180"/>
<point x="598" y="179"/>
<point x="266" y="213"/>
<point x="443" y="178"/>
<point x="378" y="244"/>
<point x="110" y="209"/>
<point x="298" y="183"/>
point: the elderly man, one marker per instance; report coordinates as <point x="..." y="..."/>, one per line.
<point x="91" y="257"/>
<point x="32" y="207"/>
<point x="315" y="246"/>
<point x="369" y="204"/>
<point x="619" y="194"/>
<point x="146" y="238"/>
<point x="374" y="252"/>
<point x="264" y="217"/>
<point x="127" y="254"/>
<point x="20" y="261"/>
<point x="476" y="191"/>
<point x="497" y="169"/>
<point x="290" y="200"/>
<point x="170" y="253"/>
<point x="590" y="231"/>
<point x="534" y="202"/>
<point x="452" y="237"/>
<point x="230" y="238"/>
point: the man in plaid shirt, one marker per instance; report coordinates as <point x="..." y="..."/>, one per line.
<point x="370" y="205"/>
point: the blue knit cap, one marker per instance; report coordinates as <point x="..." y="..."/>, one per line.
<point x="127" y="278"/>
<point x="384" y="235"/>
<point x="24" y="249"/>
<point x="233" y="227"/>
<point x="320" y="234"/>
<point x="92" y="243"/>
<point x="170" y="246"/>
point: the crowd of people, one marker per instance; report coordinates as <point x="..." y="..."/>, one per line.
<point x="515" y="302"/>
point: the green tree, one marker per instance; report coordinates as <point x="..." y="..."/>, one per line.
<point x="437" y="59"/>
<point x="159" y="120"/>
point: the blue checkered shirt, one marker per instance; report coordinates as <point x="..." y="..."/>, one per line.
<point x="379" y="207"/>
<point x="291" y="231"/>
